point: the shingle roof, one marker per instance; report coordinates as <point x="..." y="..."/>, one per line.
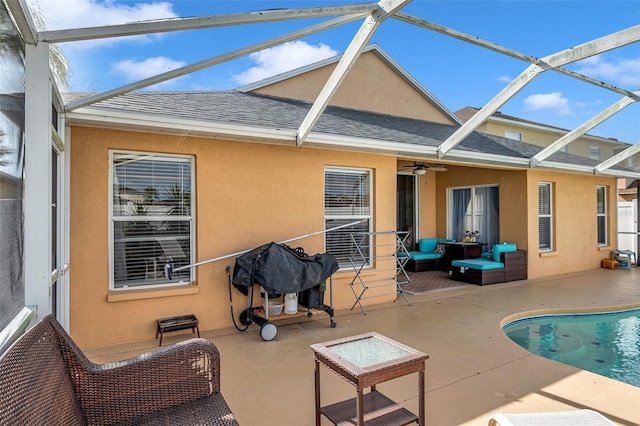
<point x="268" y="112"/>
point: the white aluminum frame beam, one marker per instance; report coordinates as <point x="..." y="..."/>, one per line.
<point x="610" y="162"/>
<point x="150" y="81"/>
<point x="37" y="180"/>
<point x="182" y="24"/>
<point x="21" y="14"/>
<point x="385" y="8"/>
<point x="582" y="129"/>
<point x="592" y="48"/>
<point x="414" y="20"/>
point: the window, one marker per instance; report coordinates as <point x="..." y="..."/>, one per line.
<point x="601" y="214"/>
<point x="594" y="152"/>
<point x="347" y="199"/>
<point x="545" y="216"/>
<point x="513" y="135"/>
<point x="152" y="222"/>
<point x="475" y="209"/>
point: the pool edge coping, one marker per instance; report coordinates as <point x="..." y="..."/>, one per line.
<point x="565" y="311"/>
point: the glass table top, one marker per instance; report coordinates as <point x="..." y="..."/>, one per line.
<point x="367" y="351"/>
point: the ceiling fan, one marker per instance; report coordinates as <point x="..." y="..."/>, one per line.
<point x="420" y="168"/>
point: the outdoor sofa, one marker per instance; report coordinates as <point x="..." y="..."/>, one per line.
<point x="427" y="256"/>
<point x="503" y="263"/>
<point x="45" y="379"/>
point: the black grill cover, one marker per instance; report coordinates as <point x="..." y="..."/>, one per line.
<point x="280" y="269"/>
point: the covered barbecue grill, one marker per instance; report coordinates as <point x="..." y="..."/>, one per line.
<point x="280" y="269"/>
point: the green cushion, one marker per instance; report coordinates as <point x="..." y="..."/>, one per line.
<point x="502" y="248"/>
<point x="427" y="245"/>
<point x="482" y="264"/>
<point x="487" y="255"/>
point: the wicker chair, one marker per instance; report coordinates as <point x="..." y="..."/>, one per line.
<point x="46" y="379"/>
<point x="514" y="269"/>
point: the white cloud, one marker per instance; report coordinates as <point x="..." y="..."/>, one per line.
<point x="133" y="70"/>
<point x="285" y="57"/>
<point x="588" y="104"/>
<point x="620" y="71"/>
<point x="548" y="101"/>
<point x="54" y="14"/>
<point x="505" y="79"/>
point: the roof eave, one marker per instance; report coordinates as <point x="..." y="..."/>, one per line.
<point x="92" y="117"/>
<point x="170" y="125"/>
<point x="588" y="169"/>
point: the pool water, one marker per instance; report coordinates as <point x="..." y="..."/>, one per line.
<point x="605" y="343"/>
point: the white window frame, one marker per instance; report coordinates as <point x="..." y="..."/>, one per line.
<point x="595" y="153"/>
<point x="546" y="215"/>
<point x="601" y="215"/>
<point x="475" y="210"/>
<point x="114" y="218"/>
<point x="349" y="218"/>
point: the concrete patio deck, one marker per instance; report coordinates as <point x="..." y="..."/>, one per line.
<point x="474" y="370"/>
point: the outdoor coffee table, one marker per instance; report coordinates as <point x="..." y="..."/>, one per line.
<point x="364" y="361"/>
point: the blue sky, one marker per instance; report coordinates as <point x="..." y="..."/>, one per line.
<point x="457" y="73"/>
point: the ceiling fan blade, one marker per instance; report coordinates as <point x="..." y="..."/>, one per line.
<point x="438" y="168"/>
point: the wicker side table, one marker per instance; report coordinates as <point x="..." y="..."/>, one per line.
<point x="365" y="361"/>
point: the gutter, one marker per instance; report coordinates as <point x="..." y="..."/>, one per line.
<point x="101" y="118"/>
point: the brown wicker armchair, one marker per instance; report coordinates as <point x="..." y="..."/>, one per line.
<point x="514" y="269"/>
<point x="46" y="379"/>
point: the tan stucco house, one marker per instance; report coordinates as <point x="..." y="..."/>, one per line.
<point x="591" y="146"/>
<point x="183" y="177"/>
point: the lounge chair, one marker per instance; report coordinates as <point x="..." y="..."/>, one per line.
<point x="558" y="418"/>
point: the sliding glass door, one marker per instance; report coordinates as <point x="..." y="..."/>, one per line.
<point x="475" y="209"/>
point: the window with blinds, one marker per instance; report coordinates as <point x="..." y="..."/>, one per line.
<point x="151" y="219"/>
<point x="347" y="199"/>
<point x="601" y="214"/>
<point x="545" y="216"/>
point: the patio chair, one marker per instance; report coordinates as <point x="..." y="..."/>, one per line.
<point x="45" y="379"/>
<point x="558" y="418"/>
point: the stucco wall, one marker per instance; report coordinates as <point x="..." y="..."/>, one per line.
<point x="427" y="185"/>
<point x="371" y="85"/>
<point x="513" y="200"/>
<point x="246" y="194"/>
<point x="249" y="194"/>
<point x="575" y="226"/>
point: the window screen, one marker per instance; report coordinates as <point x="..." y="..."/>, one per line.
<point x="347" y="199"/>
<point x="152" y="219"/>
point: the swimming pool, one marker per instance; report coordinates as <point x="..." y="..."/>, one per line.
<point x="605" y="343"/>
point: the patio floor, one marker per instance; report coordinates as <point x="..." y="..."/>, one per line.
<point x="474" y="370"/>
